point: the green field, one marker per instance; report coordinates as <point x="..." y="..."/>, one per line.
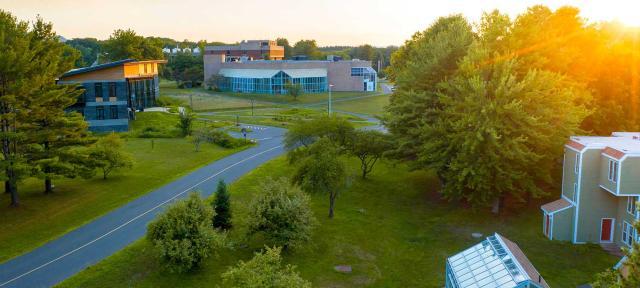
<point x="274" y="116"/>
<point x="41" y="218"/>
<point x="207" y="100"/>
<point x="370" y="105"/>
<point x="393" y="229"/>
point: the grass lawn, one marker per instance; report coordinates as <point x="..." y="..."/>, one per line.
<point x="207" y="100"/>
<point x="275" y="116"/>
<point x="370" y="105"/>
<point x="392" y="229"/>
<point x="41" y="218"/>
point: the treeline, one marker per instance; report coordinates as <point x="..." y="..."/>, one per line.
<point x="489" y="109"/>
<point x="310" y="49"/>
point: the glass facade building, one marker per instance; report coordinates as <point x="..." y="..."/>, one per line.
<point x="272" y="81"/>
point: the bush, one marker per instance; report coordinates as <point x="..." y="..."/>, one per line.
<point x="154" y="132"/>
<point x="282" y="214"/>
<point x="166" y="101"/>
<point x="182" y="235"/>
<point x="264" y="270"/>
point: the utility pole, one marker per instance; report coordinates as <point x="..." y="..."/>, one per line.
<point x="191" y="101"/>
<point x="252" y="104"/>
<point x="330" y="85"/>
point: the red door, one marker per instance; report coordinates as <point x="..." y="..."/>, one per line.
<point x="605" y="235"/>
<point x="547" y="227"/>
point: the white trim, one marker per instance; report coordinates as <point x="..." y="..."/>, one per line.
<point x="634" y="207"/>
<point x="608" y="190"/>
<point x="577" y="202"/>
<point x="568" y="200"/>
<point x="576" y="163"/>
<point x="609" y="156"/>
<point x="619" y="173"/>
<point x="613" y="225"/>
<point x="574" y="149"/>
<point x="559" y="210"/>
<point x="564" y="163"/>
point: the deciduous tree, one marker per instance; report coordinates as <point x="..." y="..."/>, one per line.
<point x="368" y="146"/>
<point x="108" y="155"/>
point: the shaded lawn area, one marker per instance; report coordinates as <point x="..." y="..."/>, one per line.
<point x="371" y="105"/>
<point x="392" y="229"/>
<point x="74" y="202"/>
<point x="164" y="125"/>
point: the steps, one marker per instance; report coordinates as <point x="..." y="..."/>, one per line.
<point x="612" y="249"/>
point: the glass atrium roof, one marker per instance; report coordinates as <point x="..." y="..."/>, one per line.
<point x="487" y="264"/>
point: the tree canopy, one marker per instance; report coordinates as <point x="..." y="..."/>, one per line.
<point x="123" y="44"/>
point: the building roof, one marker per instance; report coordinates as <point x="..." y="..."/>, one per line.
<point x="96" y="67"/>
<point x="617" y="145"/>
<point x="556" y="206"/>
<point x="494" y="262"/>
<point x="268" y="73"/>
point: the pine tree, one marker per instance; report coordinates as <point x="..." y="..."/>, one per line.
<point x="222" y="207"/>
<point x="54" y="132"/>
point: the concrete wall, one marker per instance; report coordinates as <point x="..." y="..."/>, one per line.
<point x="338" y="73"/>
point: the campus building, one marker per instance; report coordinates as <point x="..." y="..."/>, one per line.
<point x="600" y="188"/>
<point x="251" y="49"/>
<point x="494" y="262"/>
<point x="114" y="91"/>
<point x="272" y="76"/>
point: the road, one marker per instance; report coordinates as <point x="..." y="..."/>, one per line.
<point x="63" y="257"/>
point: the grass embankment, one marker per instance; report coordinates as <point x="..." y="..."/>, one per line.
<point x="373" y="106"/>
<point x="392" y="229"/>
<point x="74" y="202"/>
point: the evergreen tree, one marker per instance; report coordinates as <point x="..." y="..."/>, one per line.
<point x="222" y="207"/>
<point x="53" y="132"/>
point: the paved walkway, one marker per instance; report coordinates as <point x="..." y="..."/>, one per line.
<point x="88" y="244"/>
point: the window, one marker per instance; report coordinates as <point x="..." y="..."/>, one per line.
<point x="575" y="191"/>
<point x="577" y="164"/>
<point x="98" y="91"/>
<point x="631" y="205"/>
<point x="613" y="170"/>
<point x="627" y="233"/>
<point x="100" y="113"/>
<point x="112" y="90"/>
<point x="114" y="112"/>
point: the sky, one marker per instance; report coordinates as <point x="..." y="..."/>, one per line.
<point x="330" y="22"/>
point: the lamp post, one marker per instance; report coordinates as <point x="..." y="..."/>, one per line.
<point x="330" y="111"/>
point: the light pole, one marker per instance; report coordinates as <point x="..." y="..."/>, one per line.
<point x="330" y="85"/>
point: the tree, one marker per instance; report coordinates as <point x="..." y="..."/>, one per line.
<point x="108" y="155"/>
<point x="186" y="123"/>
<point x="124" y="44"/>
<point x="182" y="235"/>
<point x="222" y="207"/>
<point x="282" y="214"/>
<point x="304" y="133"/>
<point x="31" y="60"/>
<point x="362" y="52"/>
<point x="199" y="136"/>
<point x="54" y="132"/>
<point x="368" y="146"/>
<point x="294" y="90"/>
<point x="307" y="48"/>
<point x="417" y="68"/>
<point x="287" y="47"/>
<point x="89" y="49"/>
<point x="322" y="171"/>
<point x="264" y="270"/>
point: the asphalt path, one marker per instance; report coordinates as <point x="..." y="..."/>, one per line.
<point x="63" y="257"/>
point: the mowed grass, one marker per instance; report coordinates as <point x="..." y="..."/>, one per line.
<point x="392" y="229"/>
<point x="373" y="106"/>
<point x="274" y="116"/>
<point x="74" y="202"/>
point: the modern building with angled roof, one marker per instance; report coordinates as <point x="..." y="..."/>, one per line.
<point x="600" y="189"/>
<point x="271" y="76"/>
<point x="496" y="262"/>
<point x="114" y="91"/>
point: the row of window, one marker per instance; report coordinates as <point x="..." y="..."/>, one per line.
<point x="100" y="113"/>
<point x="629" y="233"/>
<point x="276" y="84"/>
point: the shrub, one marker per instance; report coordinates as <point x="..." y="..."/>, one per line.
<point x="186" y="123"/>
<point x="166" y="101"/>
<point x="222" y="207"/>
<point x="264" y="270"/>
<point x="282" y="214"/>
<point x="182" y="235"/>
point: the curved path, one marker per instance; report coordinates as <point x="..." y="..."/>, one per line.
<point x="88" y="244"/>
